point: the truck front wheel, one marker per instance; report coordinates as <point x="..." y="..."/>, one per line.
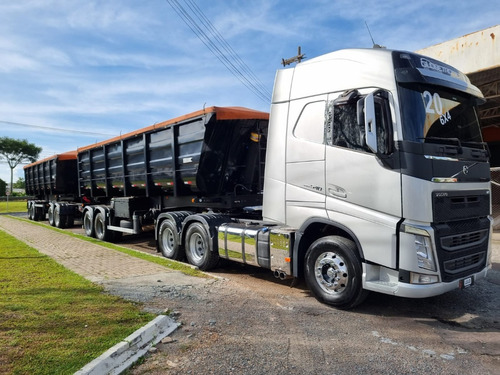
<point x="168" y="240"/>
<point x="333" y="272"/>
<point x="198" y="250"/>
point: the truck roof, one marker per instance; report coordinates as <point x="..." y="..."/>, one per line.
<point x="70" y="155"/>
<point x="222" y="113"/>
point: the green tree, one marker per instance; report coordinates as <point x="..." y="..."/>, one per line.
<point x="19" y="184"/>
<point x="16" y="151"/>
<point x="3" y="186"/>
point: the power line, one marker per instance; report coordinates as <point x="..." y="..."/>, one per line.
<point x="227" y="47"/>
<point x="229" y="59"/>
<point x="62" y="130"/>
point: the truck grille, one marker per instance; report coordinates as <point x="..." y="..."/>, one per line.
<point x="462" y="247"/>
<point x="464" y="263"/>
<point x="459" y="241"/>
<point x="455" y="205"/>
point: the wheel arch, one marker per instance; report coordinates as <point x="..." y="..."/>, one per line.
<point x="315" y="228"/>
<point x="88" y="208"/>
<point x="210" y="222"/>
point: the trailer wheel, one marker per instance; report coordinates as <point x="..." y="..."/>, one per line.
<point x="168" y="240"/>
<point x="101" y="231"/>
<point x="31" y="211"/>
<point x="50" y="213"/>
<point x="39" y="214"/>
<point x="333" y="272"/>
<point x="59" y="220"/>
<point x="198" y="250"/>
<point x="88" y="223"/>
<point x="70" y="221"/>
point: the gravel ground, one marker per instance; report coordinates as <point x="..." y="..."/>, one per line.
<point x="248" y="323"/>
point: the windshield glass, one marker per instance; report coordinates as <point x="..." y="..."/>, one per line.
<point x="430" y="112"/>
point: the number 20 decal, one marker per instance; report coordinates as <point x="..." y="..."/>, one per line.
<point x="434" y="105"/>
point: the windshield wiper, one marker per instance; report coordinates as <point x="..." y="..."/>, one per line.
<point x="479" y="145"/>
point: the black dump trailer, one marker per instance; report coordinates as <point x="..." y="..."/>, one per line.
<point x="52" y="182"/>
<point x="198" y="168"/>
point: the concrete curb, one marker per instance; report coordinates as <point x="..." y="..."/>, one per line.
<point x="125" y="353"/>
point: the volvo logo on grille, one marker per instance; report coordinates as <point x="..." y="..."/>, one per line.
<point x="465" y="169"/>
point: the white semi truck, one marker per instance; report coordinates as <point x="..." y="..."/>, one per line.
<point x="369" y="174"/>
<point x="378" y="166"/>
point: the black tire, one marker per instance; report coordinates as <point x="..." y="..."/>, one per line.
<point x="333" y="272"/>
<point x="88" y="223"/>
<point x="168" y="241"/>
<point x="39" y="214"/>
<point x="198" y="249"/>
<point x="59" y="220"/>
<point x="70" y="221"/>
<point x="50" y="214"/>
<point x="100" y="228"/>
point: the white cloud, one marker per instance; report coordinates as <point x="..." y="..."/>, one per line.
<point x="111" y="66"/>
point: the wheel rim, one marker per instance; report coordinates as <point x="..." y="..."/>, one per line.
<point x="51" y="215"/>
<point x="331" y="272"/>
<point x="168" y="241"/>
<point x="197" y="247"/>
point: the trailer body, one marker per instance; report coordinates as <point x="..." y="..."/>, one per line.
<point x="52" y="182"/>
<point x="209" y="159"/>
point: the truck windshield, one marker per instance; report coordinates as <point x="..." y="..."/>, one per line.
<point x="431" y="113"/>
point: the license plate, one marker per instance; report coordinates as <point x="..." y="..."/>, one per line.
<point x="465" y="283"/>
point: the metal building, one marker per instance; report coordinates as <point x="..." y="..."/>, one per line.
<point x="478" y="55"/>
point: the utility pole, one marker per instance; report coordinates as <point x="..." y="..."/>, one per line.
<point x="296" y="59"/>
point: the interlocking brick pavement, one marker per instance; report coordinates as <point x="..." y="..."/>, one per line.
<point x="94" y="262"/>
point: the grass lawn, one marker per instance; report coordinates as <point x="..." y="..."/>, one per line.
<point x="13" y="206"/>
<point x="53" y="321"/>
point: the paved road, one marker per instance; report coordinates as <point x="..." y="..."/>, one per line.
<point x="94" y="262"/>
<point x="249" y="323"/>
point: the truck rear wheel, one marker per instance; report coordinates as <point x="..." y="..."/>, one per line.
<point x="198" y="250"/>
<point x="333" y="272"/>
<point x="168" y="240"/>
<point x="88" y="223"/>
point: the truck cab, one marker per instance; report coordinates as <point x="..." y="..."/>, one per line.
<point x="375" y="157"/>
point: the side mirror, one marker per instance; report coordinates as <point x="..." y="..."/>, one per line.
<point x="370" y="123"/>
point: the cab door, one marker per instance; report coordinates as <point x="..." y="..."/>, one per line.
<point x="363" y="184"/>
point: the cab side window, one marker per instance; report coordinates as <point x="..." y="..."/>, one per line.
<point x="345" y="123"/>
<point x="310" y="125"/>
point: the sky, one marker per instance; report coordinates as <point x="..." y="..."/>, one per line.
<point x="75" y="72"/>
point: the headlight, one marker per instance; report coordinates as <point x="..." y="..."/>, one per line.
<point x="423" y="248"/>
